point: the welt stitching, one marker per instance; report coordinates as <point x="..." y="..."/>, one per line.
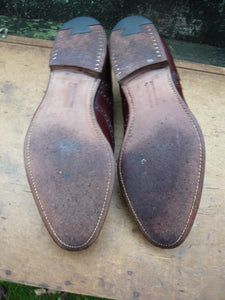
<point x="109" y="165"/>
<point x="200" y="158"/>
<point x="116" y="67"/>
<point x="34" y="184"/>
<point x="199" y="170"/>
<point x="132" y="114"/>
<point x="153" y="36"/>
<point x="99" y="57"/>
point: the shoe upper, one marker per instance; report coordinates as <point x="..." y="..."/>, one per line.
<point x="173" y="69"/>
<point x="103" y="105"/>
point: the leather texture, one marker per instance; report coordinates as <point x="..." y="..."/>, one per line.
<point x="68" y="147"/>
<point x="175" y="77"/>
<point x="173" y="69"/>
<point x="103" y="104"/>
<point x="162" y="159"/>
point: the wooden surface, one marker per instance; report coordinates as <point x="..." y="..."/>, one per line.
<point x="121" y="264"/>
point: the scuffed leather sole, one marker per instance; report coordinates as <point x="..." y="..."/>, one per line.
<point x="68" y="160"/>
<point x="161" y="162"/>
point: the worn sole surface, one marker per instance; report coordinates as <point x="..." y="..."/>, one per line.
<point x="69" y="162"/>
<point x="161" y="163"/>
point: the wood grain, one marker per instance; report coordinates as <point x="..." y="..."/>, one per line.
<point x="121" y="264"/>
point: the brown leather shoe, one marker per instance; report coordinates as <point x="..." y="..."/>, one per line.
<point x="68" y="148"/>
<point x="161" y="163"/>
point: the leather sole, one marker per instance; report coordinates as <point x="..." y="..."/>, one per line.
<point x="68" y="160"/>
<point x="161" y="162"/>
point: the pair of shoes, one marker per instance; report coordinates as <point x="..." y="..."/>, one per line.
<point x="69" y="145"/>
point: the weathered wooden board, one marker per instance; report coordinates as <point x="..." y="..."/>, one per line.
<point x="121" y="264"/>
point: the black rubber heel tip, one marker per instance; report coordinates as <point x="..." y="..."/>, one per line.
<point x="132" y="24"/>
<point x="80" y="25"/>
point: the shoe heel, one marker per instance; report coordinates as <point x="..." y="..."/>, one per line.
<point x="129" y="54"/>
<point x="87" y="54"/>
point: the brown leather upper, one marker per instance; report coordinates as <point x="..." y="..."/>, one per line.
<point x="173" y="69"/>
<point x="103" y="104"/>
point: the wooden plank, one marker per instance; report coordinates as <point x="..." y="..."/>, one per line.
<point x="121" y="264"/>
<point x="12" y="39"/>
<point x="199" y="67"/>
